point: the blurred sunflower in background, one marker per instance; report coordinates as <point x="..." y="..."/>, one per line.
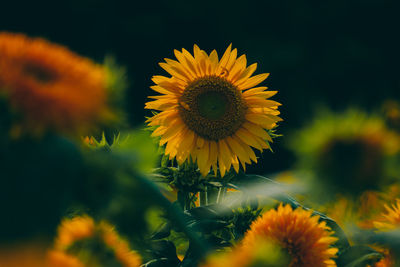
<point x="348" y="152"/>
<point x="51" y="87"/>
<point x="211" y="110"/>
<point x="291" y="237"/>
<point x="81" y="240"/>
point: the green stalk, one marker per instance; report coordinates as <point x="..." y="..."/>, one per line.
<point x="202" y="197"/>
<point x="219" y="196"/>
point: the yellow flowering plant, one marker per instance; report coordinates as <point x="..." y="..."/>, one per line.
<point x="175" y="194"/>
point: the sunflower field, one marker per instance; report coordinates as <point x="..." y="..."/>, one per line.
<point x="196" y="166"/>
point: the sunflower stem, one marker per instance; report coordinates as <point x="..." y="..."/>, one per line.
<point x="219" y="196"/>
<point x="202" y="197"/>
<point x="187" y="201"/>
<point x="206" y="195"/>
<point x="184" y="200"/>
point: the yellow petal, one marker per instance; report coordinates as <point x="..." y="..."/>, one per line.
<point x="202" y="158"/>
<point x="246" y="74"/>
<point x="265" y="94"/>
<point x="160" y="105"/>
<point x="224" y="60"/>
<point x="248" y="149"/>
<point x="200" y="142"/>
<point x="257" y="130"/>
<point x="235" y="164"/>
<point x="186" y="146"/>
<point x="175" y="127"/>
<point x="231" y="60"/>
<point x="159" y="131"/>
<point x="185" y="63"/>
<point x="237" y="149"/>
<point x="213" y="152"/>
<point x="175" y="71"/>
<point x="192" y="63"/>
<point x="196" y="52"/>
<point x="253" y="81"/>
<point x="261" y="119"/>
<point x="254" y="90"/>
<point x="248" y="138"/>
<point x="162" y="90"/>
<point x="225" y="154"/>
<point x="214" y="61"/>
<point x="182" y="67"/>
<point x="237" y="68"/>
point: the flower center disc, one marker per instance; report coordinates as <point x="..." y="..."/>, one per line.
<point x="39" y="73"/>
<point x="212" y="107"/>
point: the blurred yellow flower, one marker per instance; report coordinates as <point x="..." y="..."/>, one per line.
<point x="391" y="219"/>
<point x="349" y="152"/>
<point x="306" y="240"/>
<point x="75" y="229"/>
<point x="211" y="111"/>
<point x="385" y="262"/>
<point x="83" y="228"/>
<point x="51" y="86"/>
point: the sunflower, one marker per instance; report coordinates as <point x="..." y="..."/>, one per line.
<point x="52" y="87"/>
<point x="391" y="219"/>
<point x="347" y="151"/>
<point x="73" y="230"/>
<point x="306" y="240"/>
<point x="211" y="110"/>
<point x="80" y="229"/>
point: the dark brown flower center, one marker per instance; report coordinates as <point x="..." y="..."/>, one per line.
<point x="212" y="107"/>
<point x="39" y="73"/>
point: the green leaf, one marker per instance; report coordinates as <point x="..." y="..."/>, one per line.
<point x="358" y="256"/>
<point x="162" y="232"/>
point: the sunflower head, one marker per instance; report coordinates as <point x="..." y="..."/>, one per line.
<point x="301" y="235"/>
<point x="73" y="230"/>
<point x="90" y="242"/>
<point x="211" y="111"/>
<point x="349" y="151"/>
<point x="51" y="87"/>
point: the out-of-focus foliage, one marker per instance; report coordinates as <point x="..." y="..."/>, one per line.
<point x="347" y="152"/>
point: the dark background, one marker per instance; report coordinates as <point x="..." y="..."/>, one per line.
<point x="334" y="53"/>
